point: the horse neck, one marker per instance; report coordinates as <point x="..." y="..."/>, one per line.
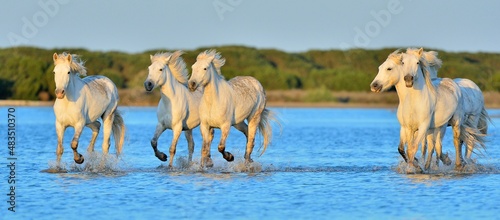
<point x="171" y="85"/>
<point x="401" y="90"/>
<point x="420" y="93"/>
<point x="75" y="85"/>
<point x="213" y="89"/>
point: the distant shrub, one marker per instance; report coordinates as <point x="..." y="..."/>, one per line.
<point x="321" y="94"/>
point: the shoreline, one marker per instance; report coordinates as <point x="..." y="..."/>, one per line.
<point x="274" y="104"/>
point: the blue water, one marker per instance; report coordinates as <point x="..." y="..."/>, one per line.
<point x="326" y="163"/>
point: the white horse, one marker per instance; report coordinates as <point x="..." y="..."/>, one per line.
<point x="178" y="107"/>
<point x="476" y="115"/>
<point x="420" y="112"/>
<point x="81" y="102"/>
<point x="227" y="103"/>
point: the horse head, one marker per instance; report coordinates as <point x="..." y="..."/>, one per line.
<point x="411" y="67"/>
<point x="207" y="65"/>
<point x="157" y="71"/>
<point x="66" y="65"/>
<point x="388" y="73"/>
<point x="431" y="57"/>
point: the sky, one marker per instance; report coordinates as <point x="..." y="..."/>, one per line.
<point x="288" y="25"/>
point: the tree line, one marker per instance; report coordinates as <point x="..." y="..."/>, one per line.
<point x="26" y="72"/>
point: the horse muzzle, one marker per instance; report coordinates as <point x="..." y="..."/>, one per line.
<point x="192" y="85"/>
<point x="409" y="81"/>
<point x="60" y="93"/>
<point x="376" y="87"/>
<point x="149" y="86"/>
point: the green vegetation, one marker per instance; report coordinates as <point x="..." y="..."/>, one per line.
<point x="26" y="72"/>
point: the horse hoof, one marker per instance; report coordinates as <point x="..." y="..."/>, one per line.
<point x="207" y="162"/>
<point x="80" y="160"/>
<point x="446" y="160"/>
<point x="163" y="157"/>
<point x="459" y="167"/>
<point x="228" y="156"/>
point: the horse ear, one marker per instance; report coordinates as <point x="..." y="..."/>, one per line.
<point x="70" y="58"/>
<point x="54" y="57"/>
<point x="420" y="51"/>
<point x="151" y="57"/>
<point x="167" y="60"/>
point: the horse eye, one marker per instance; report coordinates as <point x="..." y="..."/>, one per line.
<point x="389" y="69"/>
<point x="205" y="68"/>
<point x="68" y="72"/>
<point x="418" y="63"/>
<point x="161" y="70"/>
<point x="402" y="63"/>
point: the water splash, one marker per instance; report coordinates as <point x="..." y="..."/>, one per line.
<point x="238" y="166"/>
<point x="472" y="167"/>
<point x="55" y="167"/>
<point x="94" y="163"/>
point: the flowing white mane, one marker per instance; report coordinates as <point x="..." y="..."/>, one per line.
<point x="214" y="57"/>
<point x="396" y="57"/>
<point x="175" y="63"/>
<point x="425" y="67"/>
<point x="76" y="65"/>
<point x="429" y="56"/>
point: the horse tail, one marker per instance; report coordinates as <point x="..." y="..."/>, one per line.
<point x="265" y="128"/>
<point x="472" y="135"/>
<point x="118" y="132"/>
<point x="484" y="118"/>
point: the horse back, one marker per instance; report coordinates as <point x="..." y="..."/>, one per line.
<point x="472" y="96"/>
<point x="249" y="96"/>
<point x="100" y="86"/>
<point x="101" y="95"/>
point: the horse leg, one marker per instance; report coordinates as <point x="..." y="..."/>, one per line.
<point x="95" y="127"/>
<point x="425" y="147"/>
<point x="211" y="137"/>
<point x="74" y="143"/>
<point x="107" y="129"/>
<point x="411" y="151"/>
<point x="252" y="131"/>
<point x="207" y="134"/>
<point x="413" y="147"/>
<point x="401" y="146"/>
<point x="60" y="135"/>
<point x="176" y="133"/>
<point x="222" y="144"/>
<point x="458" y="146"/>
<point x="189" y="137"/>
<point x="430" y="149"/>
<point x="154" y="142"/>
<point x="243" y="127"/>
<point x="439" y="147"/>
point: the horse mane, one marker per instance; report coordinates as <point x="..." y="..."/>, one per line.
<point x="429" y="56"/>
<point x="76" y="65"/>
<point x="424" y="66"/>
<point x="215" y="57"/>
<point x="175" y="63"/>
<point x="396" y="57"/>
<point x="432" y="59"/>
